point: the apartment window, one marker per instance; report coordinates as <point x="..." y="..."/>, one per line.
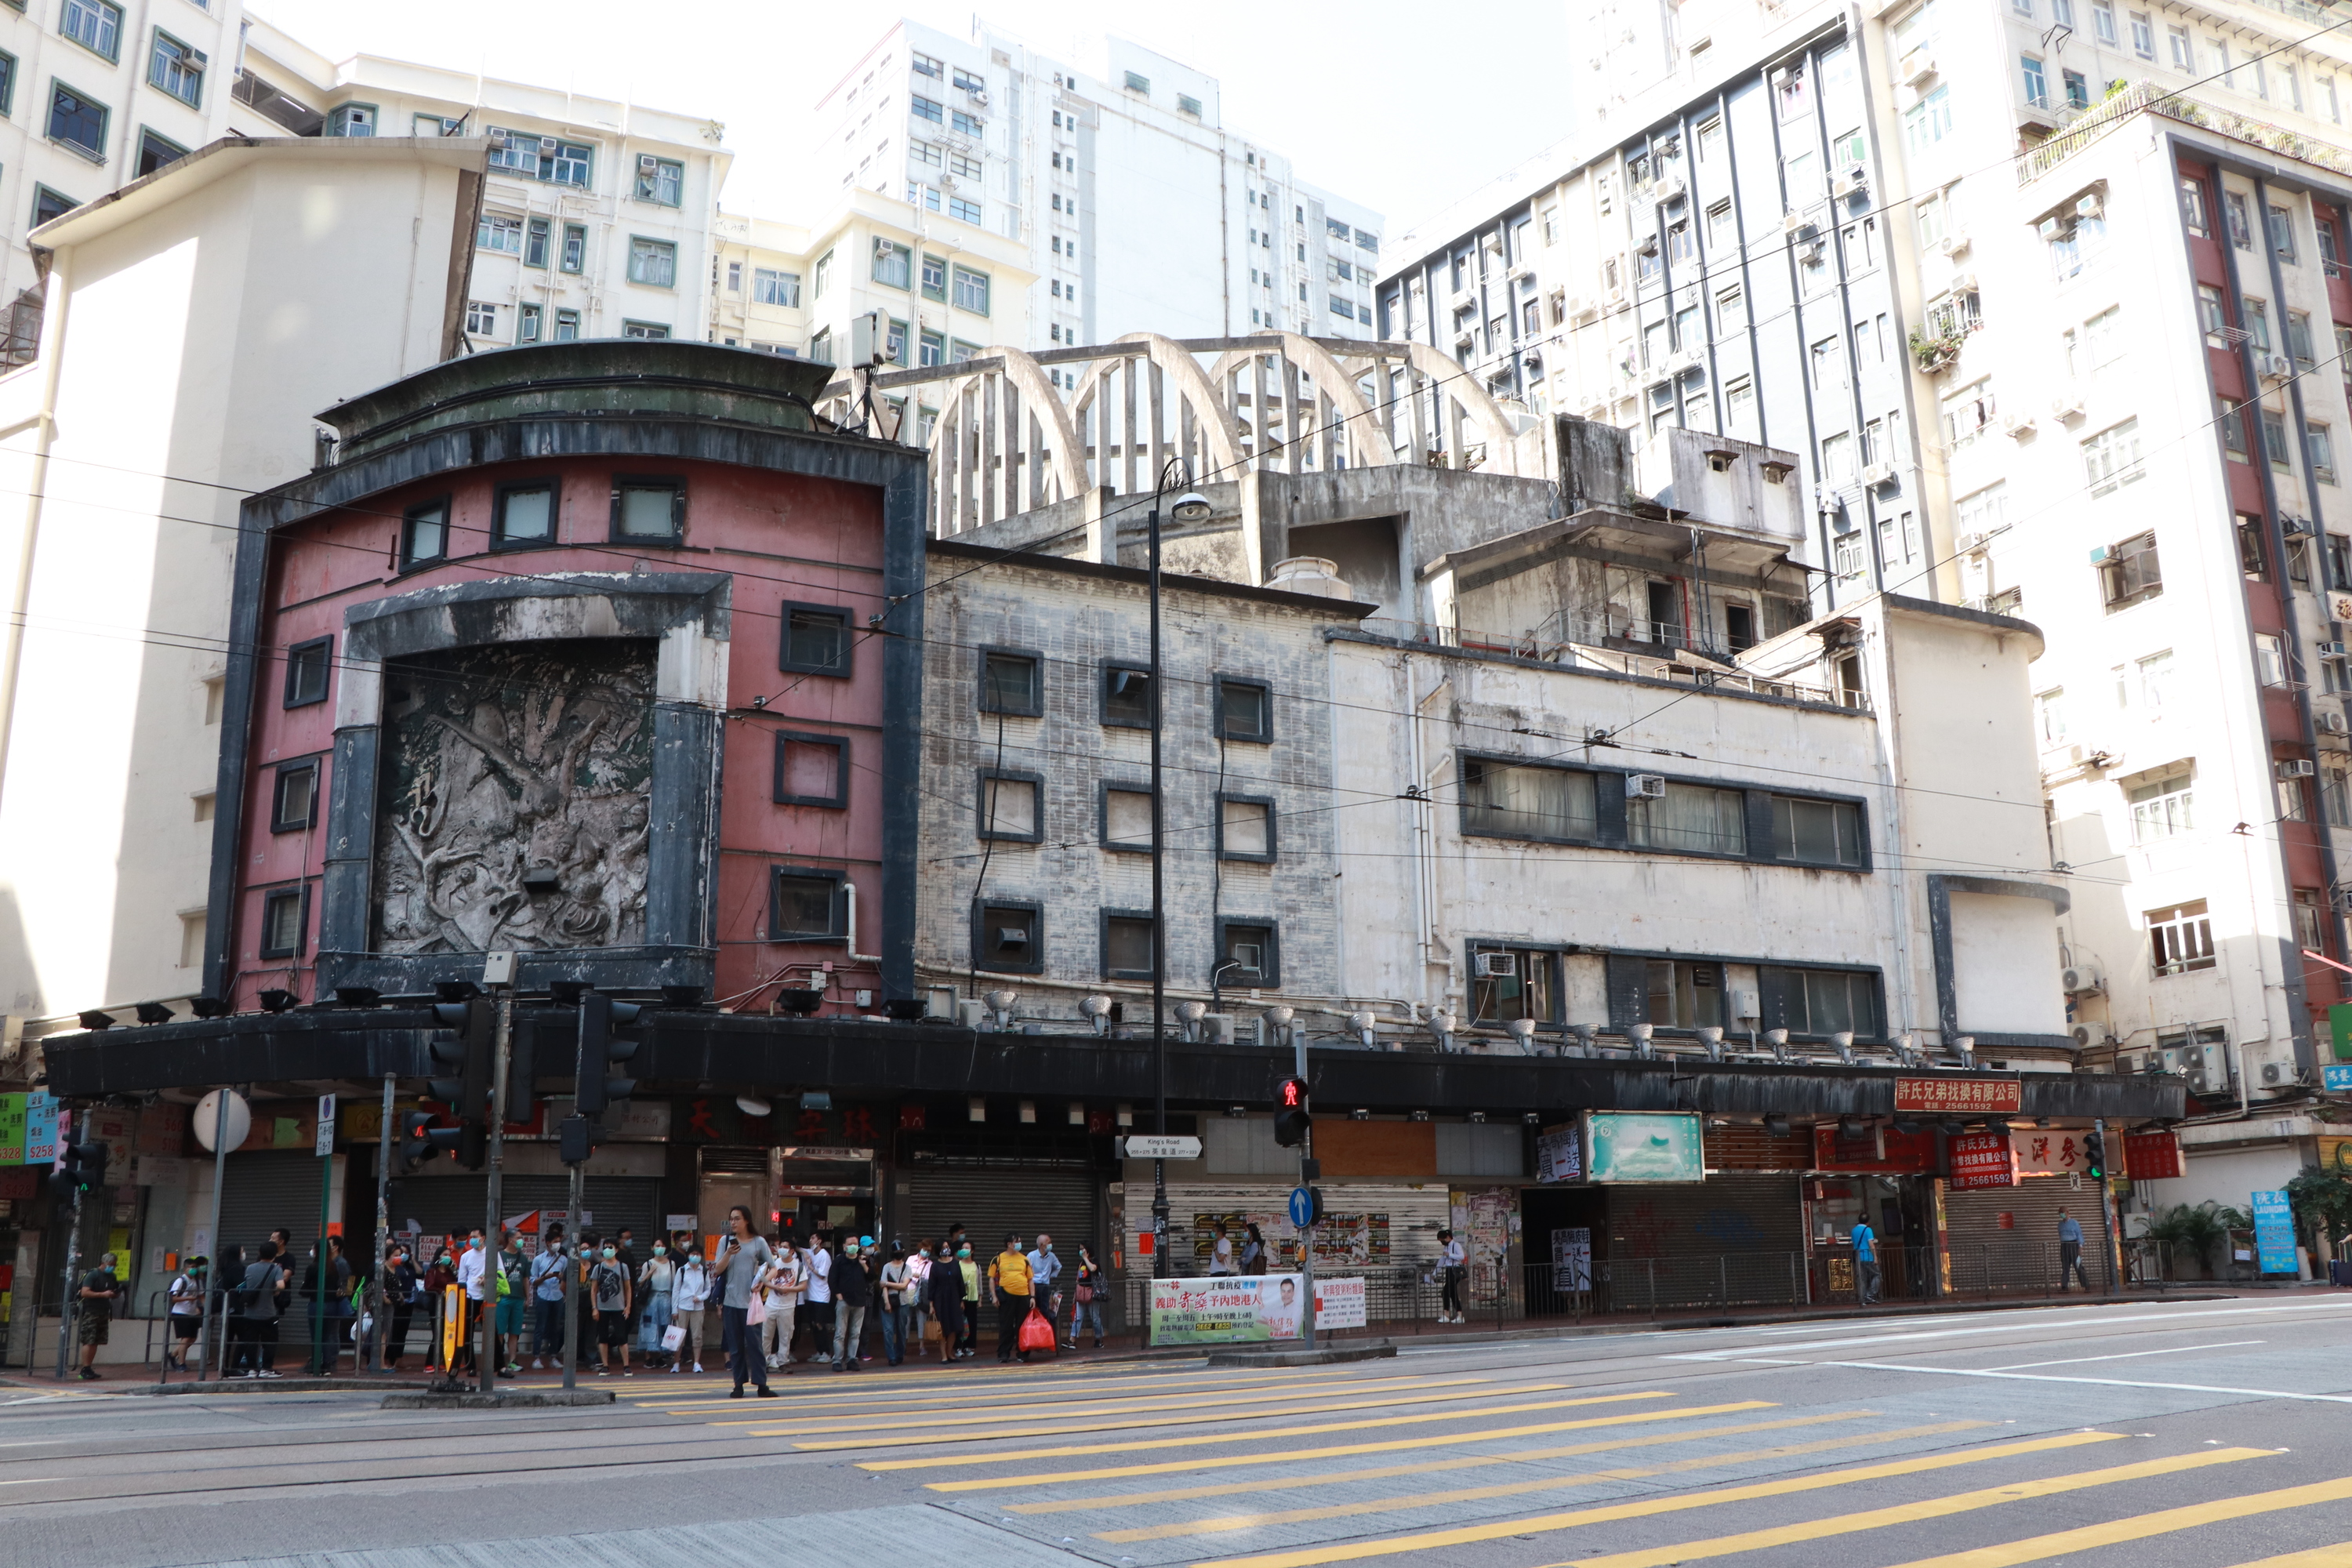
<point x="1512" y="983"/>
<point x="2269" y="659"/>
<point x="931" y="348"/>
<point x="935" y="278"/>
<point x="1831" y="1000"/>
<point x="648" y="510"/>
<point x="1127" y="696"/>
<point x="2335" y="795"/>
<point x="352" y="120"/>
<point x="661" y="181"/>
<point x="306" y="671"/>
<point x="806" y="904"/>
<point x="424" y="533"/>
<point x="575" y="246"/>
<point x="2339" y="561"/>
<point x="1012" y="681"/>
<point x="2233" y="429"/>
<point x="2282" y="231"/>
<point x="2319" y="450"/>
<point x="2049" y="716"/>
<point x="2078" y="241"/>
<point x="2180" y="938"/>
<point x="1510" y="800"/>
<point x="1817" y="832"/>
<point x="499" y="231"/>
<point x="1685" y="996"/>
<point x="78" y="122"/>
<point x="2214" y="312"/>
<point x="1247" y="954"/>
<point x="2331" y="255"/>
<point x="176" y="68"/>
<point x="2193" y="211"/>
<point x="1691" y="817"/>
<point x="894" y="264"/>
<point x="294" y="797"/>
<point x="2163" y="808"/>
<point x="2298" y="336"/>
<point x="1191" y="106"/>
<point x="1245" y="710"/>
<point x="771" y="286"/>
<point x="567" y="326"/>
<point x="1138" y="83"/>
<point x="2240" y="218"/>
<point x="523" y="514"/>
<point x="1126" y="946"/>
<point x="963" y="211"/>
<point x="535" y="243"/>
<point x="481" y="319"/>
<point x="1245" y="828"/>
<point x="155" y="152"/>
<point x="1008" y="936"/>
<point x="2100" y="343"/>
<point x="2253" y="555"/>
<point x="815" y="639"/>
<point x="2103" y="21"/>
<point x="971" y="290"/>
<point x="2293" y="798"/>
<point x="928" y="109"/>
<point x="812" y="770"/>
<point x="1795" y="98"/>
<point x="2078" y="90"/>
<point x="285" y="921"/>
<point x="95" y="24"/>
<point x="2183" y="56"/>
<point x="1929" y="121"/>
<point x="2274" y="439"/>
<point x="1730" y="311"/>
<point x="1012" y="806"/>
<point x="2131" y="573"/>
<point x="2037" y="84"/>
<point x="652" y="262"/>
<point x="192" y="936"/>
<point x="646" y="329"/>
<point x="2142" y="36"/>
<point x="2111" y="460"/>
<point x="1126" y="818"/>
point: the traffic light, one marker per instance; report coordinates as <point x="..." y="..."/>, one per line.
<point x="470" y="1051"/>
<point x="80" y="1167"/>
<point x="415" y="1139"/>
<point x="420" y="1141"/>
<point x="2095" y="1155"/>
<point x="575" y="1138"/>
<point x="599" y="1047"/>
<point x="522" y="1066"/>
<point x="1290" y="1121"/>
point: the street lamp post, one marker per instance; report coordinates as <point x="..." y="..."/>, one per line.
<point x="1188" y="507"/>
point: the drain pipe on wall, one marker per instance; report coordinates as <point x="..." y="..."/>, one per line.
<point x="12" y="658"/>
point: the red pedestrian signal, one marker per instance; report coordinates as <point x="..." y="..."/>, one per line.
<point x="1290" y="1121"/>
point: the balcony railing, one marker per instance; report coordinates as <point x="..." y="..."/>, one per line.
<point x="1575" y="642"/>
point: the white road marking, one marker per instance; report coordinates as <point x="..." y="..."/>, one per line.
<point x="2127" y="1355"/>
<point x="2100" y="1382"/>
<point x="2188" y="1319"/>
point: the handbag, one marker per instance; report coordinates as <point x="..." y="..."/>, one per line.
<point x="755" y="1311"/>
<point x="673" y="1336"/>
<point x="1036" y="1333"/>
<point x="1086" y="1294"/>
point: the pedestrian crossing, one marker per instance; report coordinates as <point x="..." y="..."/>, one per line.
<point x="1152" y="1468"/>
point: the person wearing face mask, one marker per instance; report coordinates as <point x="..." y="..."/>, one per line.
<point x="947" y="1294"/>
<point x="547" y="1303"/>
<point x="743" y="1262"/>
<point x="657" y="1284"/>
<point x="911" y="1302"/>
<point x="689" y="1295"/>
<point x="438" y="1276"/>
<point x="609" y="1281"/>
<point x="471" y="1264"/>
<point x="852" y="1290"/>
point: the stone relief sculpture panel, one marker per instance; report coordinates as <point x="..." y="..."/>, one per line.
<point x="515" y="799"/>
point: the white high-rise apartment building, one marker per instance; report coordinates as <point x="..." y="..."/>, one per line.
<point x="1139" y="210"/>
<point x="2053" y="299"/>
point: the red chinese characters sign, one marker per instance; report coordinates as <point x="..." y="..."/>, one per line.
<point x="2152" y="1156"/>
<point x="1957" y="1096"/>
<point x="1981" y="1160"/>
<point x="2055" y="1153"/>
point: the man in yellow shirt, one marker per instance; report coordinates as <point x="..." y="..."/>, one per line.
<point x="1008" y="1287"/>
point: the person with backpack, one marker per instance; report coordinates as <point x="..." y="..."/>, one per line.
<point x="255" y="1306"/>
<point x="514" y="1293"/>
<point x="546" y="1283"/>
<point x="656" y="1298"/>
<point x="787" y="1282"/>
<point x="187" y="1313"/>
<point x="608" y="1280"/>
<point x="402" y="1287"/>
<point x="893" y="1307"/>
<point x="1085" y="1297"/>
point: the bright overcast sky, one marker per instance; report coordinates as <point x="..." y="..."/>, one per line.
<point x="1384" y="103"/>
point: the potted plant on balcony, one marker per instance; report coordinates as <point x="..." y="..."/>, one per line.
<point x="1936" y="346"/>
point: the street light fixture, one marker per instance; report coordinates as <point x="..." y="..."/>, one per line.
<point x="1189" y="507"/>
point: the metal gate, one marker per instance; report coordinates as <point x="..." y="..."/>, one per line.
<point x="1065" y="1204"/>
<point x="1988" y="1256"/>
<point x="1728" y="1239"/>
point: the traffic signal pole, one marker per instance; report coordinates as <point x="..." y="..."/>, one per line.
<point x="2113" y="1245"/>
<point x="66" y="1307"/>
<point x="571" y="1284"/>
<point x="1306" y="1169"/>
<point x="381" y="1295"/>
<point x="486" y="1361"/>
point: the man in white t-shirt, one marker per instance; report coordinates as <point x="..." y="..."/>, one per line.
<point x="187" y="1312"/>
<point x="1221" y="1255"/>
<point x="819" y="1296"/>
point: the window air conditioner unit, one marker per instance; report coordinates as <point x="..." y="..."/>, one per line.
<point x="647" y="164"/>
<point x="498" y="137"/>
<point x="978" y="96"/>
<point x="2090" y="206"/>
<point x="2089" y="1034"/>
<point x="1969" y="543"/>
<point x="547" y="146"/>
<point x="1878" y="474"/>
<point x="1918" y="67"/>
<point x="2334" y="650"/>
<point x="1647" y="786"/>
<point x="2295" y="768"/>
<point x="1964" y="282"/>
<point x="1854" y="182"/>
<point x="2018" y="426"/>
<point x="2066" y="405"/>
<point x="2273" y="367"/>
<point x="2295" y="527"/>
<point x="2080" y="979"/>
<point x="2050" y="228"/>
<point x="1519" y="269"/>
<point x="1647" y="245"/>
<point x="1953" y="244"/>
<point x="2332" y="723"/>
<point x="1494" y="966"/>
<point x="1667" y="190"/>
<point x="1791" y="222"/>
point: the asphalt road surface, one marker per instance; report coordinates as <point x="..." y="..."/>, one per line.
<point x="2140" y="1434"/>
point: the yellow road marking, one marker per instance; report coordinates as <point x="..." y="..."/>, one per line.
<point x="974" y="1416"/>
<point x="1642" y="1507"/>
<point x="686" y="1401"/>
<point x="1426" y="1467"/>
<point x="1130" y="1423"/>
<point x="1170" y="1467"/>
<point x="1929" y="1507"/>
<point x="2033" y="1549"/>
<point x="1507" y="1488"/>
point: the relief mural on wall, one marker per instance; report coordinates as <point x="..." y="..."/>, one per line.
<point x="514" y="797"/>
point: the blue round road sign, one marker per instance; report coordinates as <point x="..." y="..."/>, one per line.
<point x="1302" y="1207"/>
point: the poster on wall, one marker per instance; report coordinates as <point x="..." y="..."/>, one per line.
<point x="1642" y="1146"/>
<point x="1229" y="1310"/>
<point x="11" y="1128"/>
<point x="1340" y="1303"/>
<point x="1558" y="1157"/>
<point x="1982" y="1160"/>
<point x="1571" y="1257"/>
<point x="40" y="1127"/>
<point x="2156" y="1156"/>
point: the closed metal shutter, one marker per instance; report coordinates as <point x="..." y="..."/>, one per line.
<point x="451" y="1205"/>
<point x="1064" y="1204"/>
<point x="274" y="1190"/>
<point x="1726" y="1239"/>
<point x="1988" y="1256"/>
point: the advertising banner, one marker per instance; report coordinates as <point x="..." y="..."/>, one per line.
<point x="1338" y="1304"/>
<point x="1571" y="1257"/>
<point x="2275" y="1231"/>
<point x="2055" y="1153"/>
<point x="1982" y="1160"/>
<point x="1642" y="1146"/>
<point x="11" y="1128"/>
<point x="1229" y="1309"/>
<point x="2154" y="1156"/>
<point x="1558" y="1156"/>
<point x="40" y="1127"/>
<point x="1957" y="1096"/>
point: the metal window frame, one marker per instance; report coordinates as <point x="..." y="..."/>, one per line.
<point x="982" y="778"/>
<point x="1104" y="790"/>
<point x="1104" y="670"/>
<point x="409" y="558"/>
<point x="1037" y="708"/>
<point x="982" y="960"/>
<point x="675" y="484"/>
<point x="279" y="821"/>
<point x="1270" y="976"/>
<point x="1265" y="691"/>
<point x="554" y="485"/>
<point x="839" y="798"/>
<point x="838" y="913"/>
<point x="670" y="245"/>
<point x="841" y="668"/>
<point x="104" y="110"/>
<point x="270" y="898"/>
<point x="1103" y="919"/>
<point x="297" y="660"/>
<point x="1273" y="845"/>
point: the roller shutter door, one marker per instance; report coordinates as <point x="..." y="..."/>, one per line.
<point x="1064" y="1204"/>
<point x="1728" y="1239"/>
<point x="451" y="1205"/>
<point x="1989" y="1257"/>
<point x="272" y="1190"/>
